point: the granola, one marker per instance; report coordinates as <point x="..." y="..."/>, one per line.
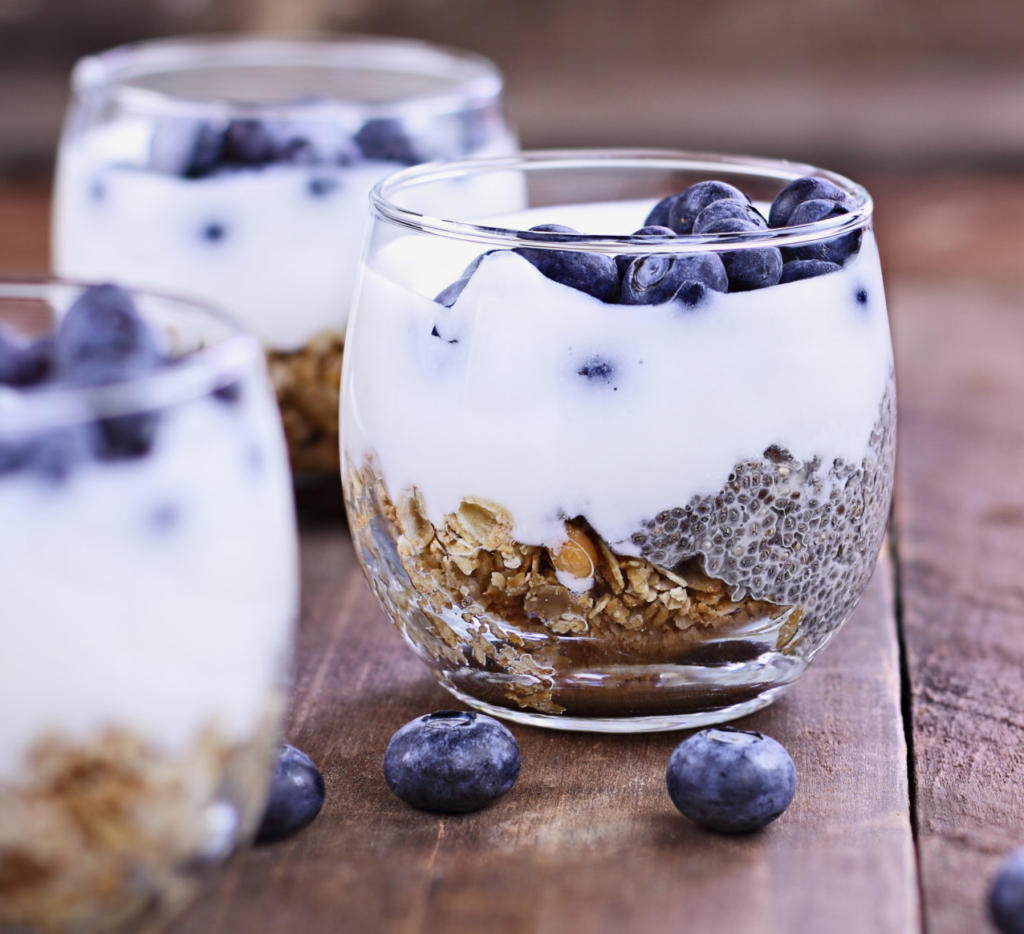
<point x="111" y="834"/>
<point x="481" y="598"/>
<point x="308" y="382"/>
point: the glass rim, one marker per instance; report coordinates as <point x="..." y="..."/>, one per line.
<point x="383" y="205"/>
<point x="474" y="77"/>
<point x="200" y="372"/>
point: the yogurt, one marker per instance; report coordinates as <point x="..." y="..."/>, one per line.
<point x="497" y="398"/>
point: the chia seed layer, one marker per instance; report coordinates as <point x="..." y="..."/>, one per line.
<point x="788" y="532"/>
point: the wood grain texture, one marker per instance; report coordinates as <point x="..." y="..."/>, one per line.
<point x="960" y="521"/>
<point x="588" y="840"/>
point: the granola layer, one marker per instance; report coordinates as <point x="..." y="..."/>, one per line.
<point x="111" y="834"/>
<point x="308" y="382"/>
<point x="476" y="596"/>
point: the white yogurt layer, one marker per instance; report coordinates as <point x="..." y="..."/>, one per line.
<point x="284" y="254"/>
<point x="504" y="414"/>
<point x="154" y="595"/>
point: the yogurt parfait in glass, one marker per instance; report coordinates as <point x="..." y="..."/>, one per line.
<point x="150" y="590"/>
<point x="237" y="170"/>
<point x="619" y="457"/>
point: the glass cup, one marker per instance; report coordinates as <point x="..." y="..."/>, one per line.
<point x="238" y="170"/>
<point x="148" y="542"/>
<point x="587" y="509"/>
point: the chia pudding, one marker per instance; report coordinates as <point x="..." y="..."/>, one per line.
<point x="237" y="170"/>
<point x="625" y="489"/>
<point x="148" y="536"/>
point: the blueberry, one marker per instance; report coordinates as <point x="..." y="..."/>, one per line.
<point x="385" y="139"/>
<point x="834" y="250"/>
<point x="593" y="273"/>
<point x="103" y="338"/>
<point x="650" y="232"/>
<point x="804" y="189"/>
<point x="682" y="210"/>
<point x="731" y="780"/>
<point x="204" y="157"/>
<point x="449" y="295"/>
<point x="724" y="209"/>
<point x="751" y="268"/>
<point x="599" y="369"/>
<point x="691" y="294"/>
<point x="229" y="393"/>
<point x="248" y="142"/>
<point x="651" y="280"/>
<point x="50" y="455"/>
<point x="214" y="231"/>
<point x="658" y="215"/>
<point x="451" y="761"/>
<point x="320" y="186"/>
<point x="797" y="269"/>
<point x="296" y="796"/>
<point x="24" y="362"/>
<point x="862" y="296"/>
<point x="1006" y="898"/>
<point x="124" y="437"/>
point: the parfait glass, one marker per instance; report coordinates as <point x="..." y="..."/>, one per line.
<point x="589" y="509"/>
<point x="150" y="591"/>
<point x="237" y="170"/>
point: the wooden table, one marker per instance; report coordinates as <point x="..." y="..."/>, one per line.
<point x="908" y="732"/>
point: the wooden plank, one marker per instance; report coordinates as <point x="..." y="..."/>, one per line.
<point x="588" y="840"/>
<point x="960" y="519"/>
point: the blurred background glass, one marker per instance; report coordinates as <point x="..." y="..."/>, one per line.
<point x="923" y="100"/>
<point x="845" y="82"/>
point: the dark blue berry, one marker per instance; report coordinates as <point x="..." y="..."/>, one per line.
<point x="125" y="437"/>
<point x="1006" y="898"/>
<point x="730" y="780"/>
<point x="599" y="369"/>
<point x="725" y="209"/>
<point x="803" y="189"/>
<point x="50" y="455"/>
<point x="593" y="273"/>
<point x="653" y="279"/>
<point x="296" y="796"/>
<point x="797" y="269"/>
<point x="244" y="143"/>
<point x="385" y="139"/>
<point x="862" y="296"/>
<point x="24" y="362"/>
<point x="103" y="339"/>
<point x="834" y="250"/>
<point x="650" y="232"/>
<point x="750" y="268"/>
<point x="449" y="295"/>
<point x="204" y="157"/>
<point x="229" y="393"/>
<point x="451" y="761"/>
<point x="214" y="231"/>
<point x="248" y="142"/>
<point x="691" y="294"/>
<point x="320" y="186"/>
<point x="684" y="208"/>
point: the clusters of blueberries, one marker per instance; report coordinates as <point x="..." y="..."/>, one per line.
<point x="249" y="143"/>
<point x="708" y="207"/>
<point x="101" y="340"/>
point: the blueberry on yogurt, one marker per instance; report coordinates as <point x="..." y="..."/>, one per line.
<point x="24" y="362"/>
<point x="680" y="211"/>
<point x="1006" y="897"/>
<point x="807" y="188"/>
<point x="650" y="232"/>
<point x="385" y="139"/>
<point x="837" y="249"/>
<point x="796" y="269"/>
<point x="751" y="268"/>
<point x="593" y="273"/>
<point x="727" y="208"/>
<point x="731" y="781"/>
<point x="658" y="277"/>
<point x="451" y="761"/>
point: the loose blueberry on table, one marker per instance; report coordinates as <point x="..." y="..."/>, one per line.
<point x="731" y="781"/>
<point x="451" y="761"/>
<point x="707" y="208"/>
<point x="1006" y="899"/>
<point x="296" y="796"/>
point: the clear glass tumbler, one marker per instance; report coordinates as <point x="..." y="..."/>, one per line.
<point x="150" y="591"/>
<point x="604" y="480"/>
<point x="237" y="170"/>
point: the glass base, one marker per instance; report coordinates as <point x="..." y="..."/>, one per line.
<point x="639" y="724"/>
